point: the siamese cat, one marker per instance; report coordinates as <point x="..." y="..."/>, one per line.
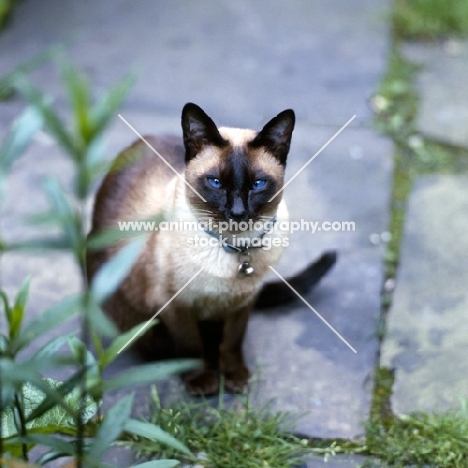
<point x="229" y="176"/>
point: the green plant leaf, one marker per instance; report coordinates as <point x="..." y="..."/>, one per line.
<point x="110" y="236"/>
<point x="49" y="456"/>
<point x="153" y="432"/>
<point x="52" y="346"/>
<point x="6" y="304"/>
<point x="158" y="464"/>
<point x="148" y="373"/>
<point x="50" y="118"/>
<point x="107" y="106"/>
<point x="63" y="389"/>
<point x="41" y="409"/>
<point x="70" y="220"/>
<point x="17" y="141"/>
<point x="17" y="464"/>
<point x="39" y="244"/>
<point x="50" y="318"/>
<point x="43" y="439"/>
<point x="7" y="394"/>
<point x="112" y="273"/>
<point x="100" y="322"/>
<point x="7" y="82"/>
<point x="17" y="313"/>
<point x="19" y="138"/>
<point x="92" y="375"/>
<point x="79" y="95"/>
<point x="110" y="354"/>
<point x="111" y="427"/>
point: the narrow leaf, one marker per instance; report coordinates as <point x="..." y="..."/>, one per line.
<point x="60" y="312"/>
<point x="19" y="307"/>
<point x="78" y="93"/>
<point x="62" y="206"/>
<point x="52" y="346"/>
<point x="158" y="464"/>
<point x="19" y="138"/>
<point x="110" y="236"/>
<point x="111" y="427"/>
<point x="39" y="244"/>
<point x="7" y="82"/>
<point x="153" y="432"/>
<point x="51" y="120"/>
<point x="46" y="440"/>
<point x="100" y="322"/>
<point x="112" y="273"/>
<point x="108" y="105"/>
<point x="148" y="373"/>
<point x="110" y="354"/>
<point x="6" y="304"/>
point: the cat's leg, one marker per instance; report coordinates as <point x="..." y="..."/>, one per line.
<point x="231" y="359"/>
<point x="182" y="325"/>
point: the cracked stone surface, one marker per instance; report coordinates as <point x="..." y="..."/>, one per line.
<point x="426" y="329"/>
<point x="442" y="86"/>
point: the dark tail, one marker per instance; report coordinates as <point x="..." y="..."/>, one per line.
<point x="277" y="293"/>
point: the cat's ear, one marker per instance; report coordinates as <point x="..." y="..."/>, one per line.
<point x="276" y="135"/>
<point x="198" y="130"/>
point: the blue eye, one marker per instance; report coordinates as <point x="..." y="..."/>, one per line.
<point x="214" y="182"/>
<point x="258" y="184"/>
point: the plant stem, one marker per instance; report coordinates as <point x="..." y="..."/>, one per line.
<point x="22" y="429"/>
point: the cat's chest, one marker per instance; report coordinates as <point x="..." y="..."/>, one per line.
<point x="209" y="279"/>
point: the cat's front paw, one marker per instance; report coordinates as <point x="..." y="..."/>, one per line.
<point x="202" y="382"/>
<point x="236" y="380"/>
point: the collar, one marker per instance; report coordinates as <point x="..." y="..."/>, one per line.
<point x="231" y="248"/>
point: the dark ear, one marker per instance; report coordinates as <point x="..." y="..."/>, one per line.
<point x="276" y="135"/>
<point x="198" y="130"/>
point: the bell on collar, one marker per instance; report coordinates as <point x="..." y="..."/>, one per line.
<point x="245" y="269"/>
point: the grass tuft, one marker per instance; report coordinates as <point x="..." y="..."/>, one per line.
<point x="238" y="436"/>
<point x="436" y="440"/>
<point x="430" y="20"/>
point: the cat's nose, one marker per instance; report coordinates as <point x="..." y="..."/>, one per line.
<point x="237" y="215"/>
<point x="237" y="211"/>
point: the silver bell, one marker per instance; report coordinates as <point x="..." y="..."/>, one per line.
<point x="245" y="269"/>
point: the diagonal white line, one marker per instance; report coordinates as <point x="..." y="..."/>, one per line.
<point x="160" y="310"/>
<point x="314" y="311"/>
<point x="181" y="177"/>
<point x="312" y="158"/>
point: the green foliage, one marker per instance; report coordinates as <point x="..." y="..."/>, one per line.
<point x="430" y="19"/>
<point x="34" y="409"/>
<point x="235" y="437"/>
<point x="421" y="439"/>
<point x="112" y="273"/>
<point x="17" y="141"/>
<point x="83" y="142"/>
<point x="50" y="420"/>
<point x="7" y="82"/>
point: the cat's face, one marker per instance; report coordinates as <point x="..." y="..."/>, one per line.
<point x="236" y="171"/>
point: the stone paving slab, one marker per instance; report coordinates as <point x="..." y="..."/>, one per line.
<point x="427" y="328"/>
<point x="342" y="461"/>
<point x="443" y="89"/>
<point x="321" y="58"/>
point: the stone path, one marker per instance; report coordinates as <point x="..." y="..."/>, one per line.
<point x="427" y="327"/>
<point x="442" y="85"/>
<point x="243" y="62"/>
